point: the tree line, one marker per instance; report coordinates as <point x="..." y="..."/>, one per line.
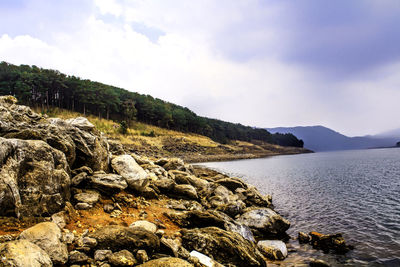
<point x="48" y="88"/>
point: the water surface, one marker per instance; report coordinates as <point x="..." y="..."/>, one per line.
<point x="354" y="192"/>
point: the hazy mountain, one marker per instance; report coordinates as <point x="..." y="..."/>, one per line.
<point x="320" y="138"/>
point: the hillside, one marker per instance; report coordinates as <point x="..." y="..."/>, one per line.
<point x="320" y="138"/>
<point x="47" y="89"/>
<point x="150" y="140"/>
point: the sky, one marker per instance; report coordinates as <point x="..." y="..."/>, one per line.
<point x="264" y="63"/>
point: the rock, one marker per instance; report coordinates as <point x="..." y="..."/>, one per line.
<point x="318" y="263"/>
<point x="68" y="237"/>
<point x="122" y="258"/>
<point x="146" y="225"/>
<point x="165" y="185"/>
<point x="81" y="123"/>
<point x="83" y="206"/>
<point x="22" y="253"/>
<point x="59" y="219"/>
<point x="47" y="236"/>
<point x="303" y="238"/>
<point x="77" y="257"/>
<point x="102" y="254"/>
<point x="174" y="247"/>
<point x="117" y="237"/>
<point x="89" y="242"/>
<point x="174" y="164"/>
<point x="108" y="183"/>
<point x="89" y="196"/>
<point x="273" y="249"/>
<point x="223" y="246"/>
<point x="141" y="256"/>
<point x="254" y="198"/>
<point x="326" y="243"/>
<point x="167" y="262"/>
<point x="108" y="208"/>
<point x="231" y="183"/>
<point x="205" y="260"/>
<point x="135" y="176"/>
<point x="79" y="178"/>
<point x="83" y="169"/>
<point x="34" y="178"/>
<point x="185" y="191"/>
<point x="264" y="222"/>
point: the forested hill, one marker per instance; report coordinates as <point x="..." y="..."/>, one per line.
<point x="47" y="88"/>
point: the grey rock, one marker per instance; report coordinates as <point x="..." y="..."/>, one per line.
<point x="273" y="249"/>
<point x="83" y="206"/>
<point x="89" y="242"/>
<point x="185" y="191"/>
<point x="135" y="176"/>
<point x="108" y="183"/>
<point x="264" y="222"/>
<point x="59" y="219"/>
<point x="78" y="257"/>
<point x="81" y="123"/>
<point x="89" y="196"/>
<point x="102" y="254"/>
<point x="146" y="225"/>
<point x="47" y="235"/>
<point x="34" y="178"/>
<point x="22" y="253"/>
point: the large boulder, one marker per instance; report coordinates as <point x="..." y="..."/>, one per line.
<point x="167" y="262"/>
<point x="264" y="222"/>
<point x="115" y="238"/>
<point x="135" y="176"/>
<point x="47" y="236"/>
<point x="34" y="178"/>
<point x="223" y="246"/>
<point x="81" y="143"/>
<point x="22" y="253"/>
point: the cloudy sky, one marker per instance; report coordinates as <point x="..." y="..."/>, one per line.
<point x="263" y="63"/>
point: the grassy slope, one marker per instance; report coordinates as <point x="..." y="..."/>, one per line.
<point x="168" y="143"/>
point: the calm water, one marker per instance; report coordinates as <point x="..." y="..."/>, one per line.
<point x="353" y="192"/>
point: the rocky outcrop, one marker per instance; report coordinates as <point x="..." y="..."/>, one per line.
<point x="48" y="237"/>
<point x="223" y="246"/>
<point x="76" y="138"/>
<point x="22" y="253"/>
<point x="34" y="178"/>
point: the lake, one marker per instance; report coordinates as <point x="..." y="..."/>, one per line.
<point x="354" y="192"/>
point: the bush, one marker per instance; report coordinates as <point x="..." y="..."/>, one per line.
<point x="123" y="127"/>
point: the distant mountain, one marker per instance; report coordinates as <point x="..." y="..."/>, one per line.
<point x="320" y="138"/>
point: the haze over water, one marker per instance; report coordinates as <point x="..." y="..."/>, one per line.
<point x="354" y="192"/>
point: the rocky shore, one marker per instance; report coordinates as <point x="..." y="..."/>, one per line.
<point x="70" y="198"/>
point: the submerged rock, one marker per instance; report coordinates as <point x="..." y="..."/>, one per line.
<point x="225" y="247"/>
<point x="34" y="178"/>
<point x="326" y="243"/>
<point x="47" y="235"/>
<point x="22" y="253"/>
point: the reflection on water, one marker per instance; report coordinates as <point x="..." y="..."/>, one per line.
<point x="353" y="192"/>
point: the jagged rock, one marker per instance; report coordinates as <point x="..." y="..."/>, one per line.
<point x="174" y="247"/>
<point x="205" y="260"/>
<point x="80" y="147"/>
<point x="22" y="253"/>
<point x="135" y="176"/>
<point x="47" y="236"/>
<point x="117" y="237"/>
<point x="84" y="169"/>
<point x="34" y="178"/>
<point x="252" y="197"/>
<point x="77" y="257"/>
<point x="303" y="238"/>
<point x="81" y="123"/>
<point x="146" y="225"/>
<point x="264" y="222"/>
<point x="122" y="258"/>
<point x="326" y="243"/>
<point x="223" y="246"/>
<point x="273" y="249"/>
<point x="107" y="183"/>
<point x="102" y="254"/>
<point x="88" y="196"/>
<point x="167" y="262"/>
<point x="185" y="191"/>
